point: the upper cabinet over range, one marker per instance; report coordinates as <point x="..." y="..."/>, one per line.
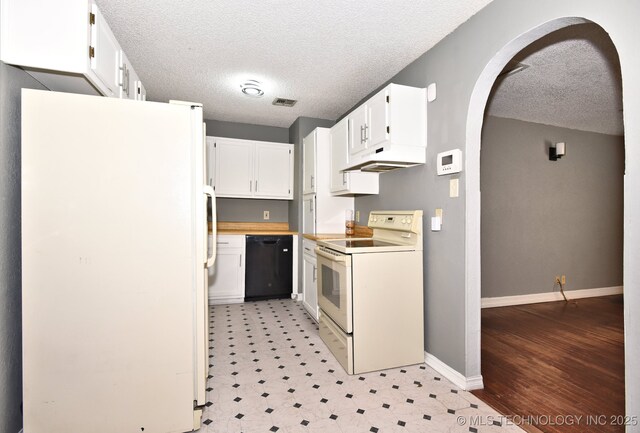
<point x="67" y="46"/>
<point x="250" y="169"/>
<point x="388" y="131"/>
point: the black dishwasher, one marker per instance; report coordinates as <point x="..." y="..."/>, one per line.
<point x="269" y="267"/>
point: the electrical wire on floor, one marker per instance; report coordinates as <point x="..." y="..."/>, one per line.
<point x="559" y="284"/>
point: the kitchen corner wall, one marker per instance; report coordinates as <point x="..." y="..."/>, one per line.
<point x="11" y="81"/>
<point x="297" y="131"/>
<point x="543" y="218"/>
<point x="250" y="210"/>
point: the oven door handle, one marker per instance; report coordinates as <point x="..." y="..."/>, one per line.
<point x="332" y="257"/>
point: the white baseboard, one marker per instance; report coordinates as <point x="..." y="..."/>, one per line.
<point x="463" y="382"/>
<point x="224" y="301"/>
<point x="505" y="301"/>
<point x="296" y="296"/>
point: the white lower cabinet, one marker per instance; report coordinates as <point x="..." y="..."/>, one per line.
<point x="226" y="276"/>
<point x="309" y="278"/>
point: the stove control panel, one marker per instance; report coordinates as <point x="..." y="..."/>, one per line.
<point x="406" y="221"/>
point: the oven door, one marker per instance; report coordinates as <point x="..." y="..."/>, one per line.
<point x="334" y="286"/>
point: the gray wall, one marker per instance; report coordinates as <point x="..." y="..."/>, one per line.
<point x="250" y="210"/>
<point x="420" y="188"/>
<point x="457" y="64"/>
<point x="542" y="218"/>
<point x="247" y="131"/>
<point x="11" y="81"/>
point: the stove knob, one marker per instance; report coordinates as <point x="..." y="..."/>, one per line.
<point x="404" y="220"/>
<point x="409" y="220"/>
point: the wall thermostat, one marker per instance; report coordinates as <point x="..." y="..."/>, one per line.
<point x="449" y="162"/>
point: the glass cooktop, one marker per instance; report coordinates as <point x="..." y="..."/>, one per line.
<point x="361" y="243"/>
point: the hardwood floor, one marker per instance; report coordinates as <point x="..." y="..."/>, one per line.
<point x="556" y="360"/>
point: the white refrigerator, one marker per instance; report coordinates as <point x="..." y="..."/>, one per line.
<point x="114" y="264"/>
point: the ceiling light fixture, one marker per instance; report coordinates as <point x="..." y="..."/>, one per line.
<point x="252" y="88"/>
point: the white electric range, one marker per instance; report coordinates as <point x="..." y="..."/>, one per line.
<point x="370" y="294"/>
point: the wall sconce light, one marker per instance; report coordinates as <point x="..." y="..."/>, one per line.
<point x="557" y="151"/>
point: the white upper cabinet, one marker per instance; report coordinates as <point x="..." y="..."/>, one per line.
<point x="250" y="169"/>
<point x="377" y="128"/>
<point x="129" y="83"/>
<point x="274" y="166"/>
<point x="389" y="130"/>
<point x="66" y="45"/>
<point x="309" y="163"/>
<point x="233" y="168"/>
<point x="347" y="182"/>
<point x="358" y="124"/>
<point x="104" y="53"/>
<point x="323" y="212"/>
<point x="211" y="160"/>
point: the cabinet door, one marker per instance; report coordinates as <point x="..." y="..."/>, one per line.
<point x="309" y="286"/>
<point x="309" y="165"/>
<point x="141" y="92"/>
<point x="357" y="130"/>
<point x="339" y="154"/>
<point x="378" y="117"/>
<point x="105" y="61"/>
<point x="226" y="276"/>
<point x="127" y="78"/>
<point x="309" y="215"/>
<point x="233" y="168"/>
<point x="273" y="169"/>
<point x="211" y="161"/>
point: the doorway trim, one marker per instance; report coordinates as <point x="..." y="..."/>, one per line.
<point x="475" y="119"/>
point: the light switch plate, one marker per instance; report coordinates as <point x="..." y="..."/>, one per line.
<point x="265" y="215"/>
<point x="453" y="188"/>
<point x="436" y="224"/>
<point x="431" y="92"/>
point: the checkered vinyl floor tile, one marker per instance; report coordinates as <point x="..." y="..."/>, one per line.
<point x="270" y="372"/>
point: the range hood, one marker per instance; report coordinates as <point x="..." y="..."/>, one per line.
<point x="384" y="166"/>
<point x="387" y="157"/>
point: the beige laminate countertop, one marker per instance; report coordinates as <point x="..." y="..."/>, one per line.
<point x="252" y="228"/>
<point x="256" y="232"/>
<point x="320" y="236"/>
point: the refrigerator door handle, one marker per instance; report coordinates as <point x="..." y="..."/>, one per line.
<point x="208" y="192"/>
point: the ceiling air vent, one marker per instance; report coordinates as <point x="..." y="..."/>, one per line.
<point x="284" y="102"/>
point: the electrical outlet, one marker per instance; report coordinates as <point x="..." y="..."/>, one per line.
<point x="265" y="215"/>
<point x="564" y="280"/>
<point x="357" y="216"/>
<point x="557" y="280"/>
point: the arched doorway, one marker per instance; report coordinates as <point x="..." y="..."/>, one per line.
<point x="475" y="118"/>
<point x="540" y="216"/>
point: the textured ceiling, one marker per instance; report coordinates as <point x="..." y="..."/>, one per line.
<point x="573" y="81"/>
<point x="326" y="54"/>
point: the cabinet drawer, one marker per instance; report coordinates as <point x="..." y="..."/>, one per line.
<point x="339" y="343"/>
<point x="309" y="247"/>
<point x="230" y="241"/>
